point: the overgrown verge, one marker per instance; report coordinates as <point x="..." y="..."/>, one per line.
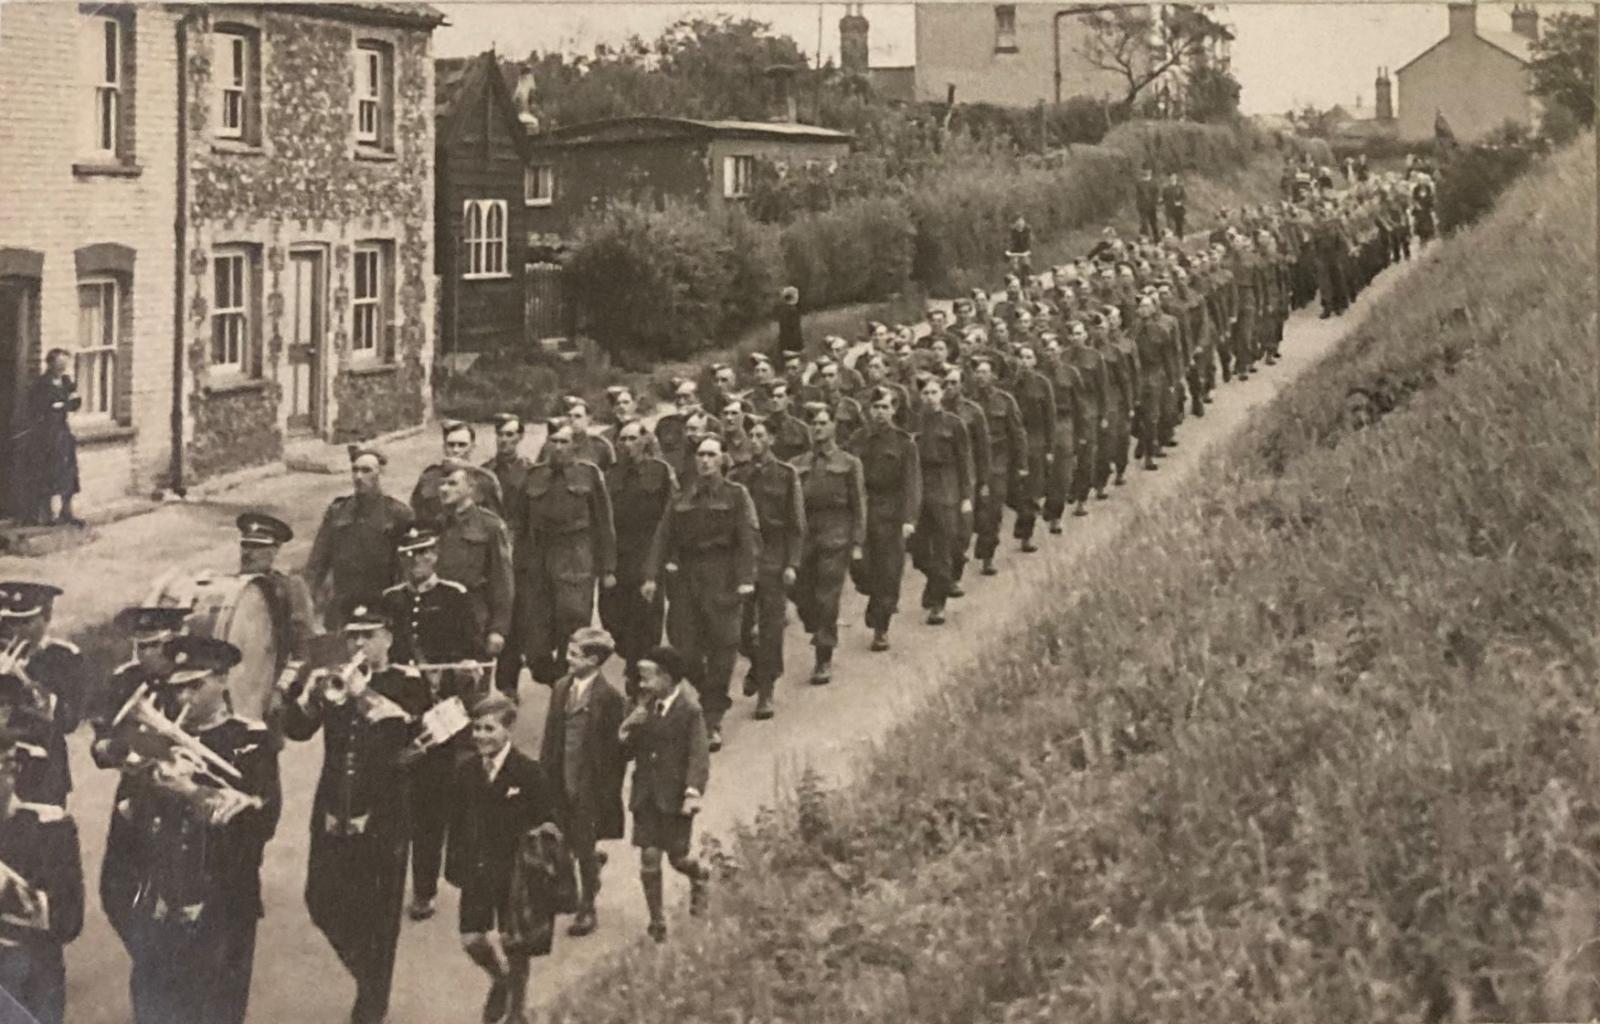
<point x="1319" y="744"/>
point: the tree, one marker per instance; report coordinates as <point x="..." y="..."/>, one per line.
<point x="1213" y="94"/>
<point x="1563" y="67"/>
<point x="1317" y="124"/>
<point x="1141" y="49"/>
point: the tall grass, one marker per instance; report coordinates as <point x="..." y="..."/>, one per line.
<point x="1317" y="744"/>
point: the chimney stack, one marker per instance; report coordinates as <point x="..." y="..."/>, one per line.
<point x="1384" y="97"/>
<point x="1464" y="19"/>
<point x="853" y="40"/>
<point x="1525" y="21"/>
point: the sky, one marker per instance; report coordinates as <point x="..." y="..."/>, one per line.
<point x="1285" y="55"/>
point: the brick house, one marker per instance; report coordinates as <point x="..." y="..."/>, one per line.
<point x="88" y="196"/>
<point x="308" y="292"/>
<point x="1477" y="77"/>
<point x="256" y="270"/>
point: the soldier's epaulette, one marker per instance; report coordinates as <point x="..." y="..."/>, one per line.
<point x="48" y="814"/>
<point x="67" y="645"/>
<point x="451" y="585"/>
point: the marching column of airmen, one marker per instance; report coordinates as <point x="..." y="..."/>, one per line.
<point x="777" y="489"/>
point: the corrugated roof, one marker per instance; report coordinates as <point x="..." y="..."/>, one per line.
<point x="771" y="129"/>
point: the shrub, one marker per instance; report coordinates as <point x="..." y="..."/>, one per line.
<point x="1185" y="148"/>
<point x="858" y="252"/>
<point x="1473" y="178"/>
<point x="651" y="285"/>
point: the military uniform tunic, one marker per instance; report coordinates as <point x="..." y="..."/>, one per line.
<point x="567" y="543"/>
<point x="836" y="525"/>
<point x="353" y="556"/>
<point x="774" y="488"/>
<point x="640" y="492"/>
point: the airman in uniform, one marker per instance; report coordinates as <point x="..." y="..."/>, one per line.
<point x="893" y="477"/>
<point x="568" y="543"/>
<point x="352" y="557"/>
<point x="774" y="487"/>
<point x="947" y="488"/>
<point x="835" y="496"/>
<point x="707" y="548"/>
<point x="459" y="439"/>
<point x="641" y="487"/>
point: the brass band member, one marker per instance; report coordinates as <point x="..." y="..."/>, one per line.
<point x="41" y="897"/>
<point x="360" y="833"/>
<point x="201" y="844"/>
<point x="261" y="537"/>
<point x="42" y="690"/>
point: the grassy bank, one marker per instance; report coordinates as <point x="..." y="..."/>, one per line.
<point x="1317" y="745"/>
<point x="530" y="386"/>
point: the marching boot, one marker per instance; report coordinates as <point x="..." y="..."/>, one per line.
<point x="988" y="567"/>
<point x="586" y="920"/>
<point x="1081" y="510"/>
<point x="936" y="615"/>
<point x="822" y="674"/>
<point x="1149" y="463"/>
<point x="880" y="640"/>
<point x="764" y="709"/>
<point x="1055" y="526"/>
<point x="651" y="880"/>
<point x="956" y="591"/>
<point x="751" y="686"/>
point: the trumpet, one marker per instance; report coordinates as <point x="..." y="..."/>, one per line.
<point x="155" y="742"/>
<point x="335" y="684"/>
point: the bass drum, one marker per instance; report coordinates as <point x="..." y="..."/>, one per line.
<point x="242" y="611"/>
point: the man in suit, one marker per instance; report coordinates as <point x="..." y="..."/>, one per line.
<point x="582" y="758"/>
<point x="665" y="736"/>
<point x="500" y="793"/>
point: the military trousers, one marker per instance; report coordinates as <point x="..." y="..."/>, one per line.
<point x="703" y="624"/>
<point x="817" y="590"/>
<point x="988" y="513"/>
<point x="936" y="530"/>
<point x="1087" y="463"/>
<point x="882" y="568"/>
<point x="634" y="623"/>
<point x="1029" y="492"/>
<point x="1152" y="393"/>
<point x="764" y="615"/>
<point x="1111" y="453"/>
<point x="559" y="602"/>
<point x="355" y="886"/>
<point x="1058" y="477"/>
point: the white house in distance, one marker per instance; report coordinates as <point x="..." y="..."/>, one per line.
<point x="1477" y="77"/>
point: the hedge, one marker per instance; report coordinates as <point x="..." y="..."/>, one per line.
<point x="657" y="285"/>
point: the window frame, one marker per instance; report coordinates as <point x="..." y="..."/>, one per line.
<point x="108" y="108"/>
<point x="242" y="313"/>
<point x="542" y="179"/>
<point x="380" y="95"/>
<point x="372" y="305"/>
<point x="1005" y="28"/>
<point x="484" y="250"/>
<point x="734" y="184"/>
<point x="105" y="353"/>
<point x="243" y="41"/>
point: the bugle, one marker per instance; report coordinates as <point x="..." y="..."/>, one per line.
<point x="14" y="663"/>
<point x="151" y="736"/>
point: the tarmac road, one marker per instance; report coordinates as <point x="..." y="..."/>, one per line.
<point x="297" y="977"/>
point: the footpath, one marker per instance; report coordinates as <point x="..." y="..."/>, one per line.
<point x="821" y="728"/>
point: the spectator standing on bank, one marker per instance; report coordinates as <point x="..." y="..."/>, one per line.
<point x="787" y="315"/>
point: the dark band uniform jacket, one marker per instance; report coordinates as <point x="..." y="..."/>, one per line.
<point x="40" y="843"/>
<point x="360" y="824"/>
<point x="352" y="559"/>
<point x="582" y="756"/>
<point x="60" y="672"/>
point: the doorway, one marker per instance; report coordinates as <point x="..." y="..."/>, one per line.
<point x="307" y="341"/>
<point x="19" y="305"/>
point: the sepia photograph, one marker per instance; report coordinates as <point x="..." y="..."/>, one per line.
<point x="666" y="512"/>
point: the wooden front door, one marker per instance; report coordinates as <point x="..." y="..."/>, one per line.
<point x="17" y="305"/>
<point x="307" y="341"/>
